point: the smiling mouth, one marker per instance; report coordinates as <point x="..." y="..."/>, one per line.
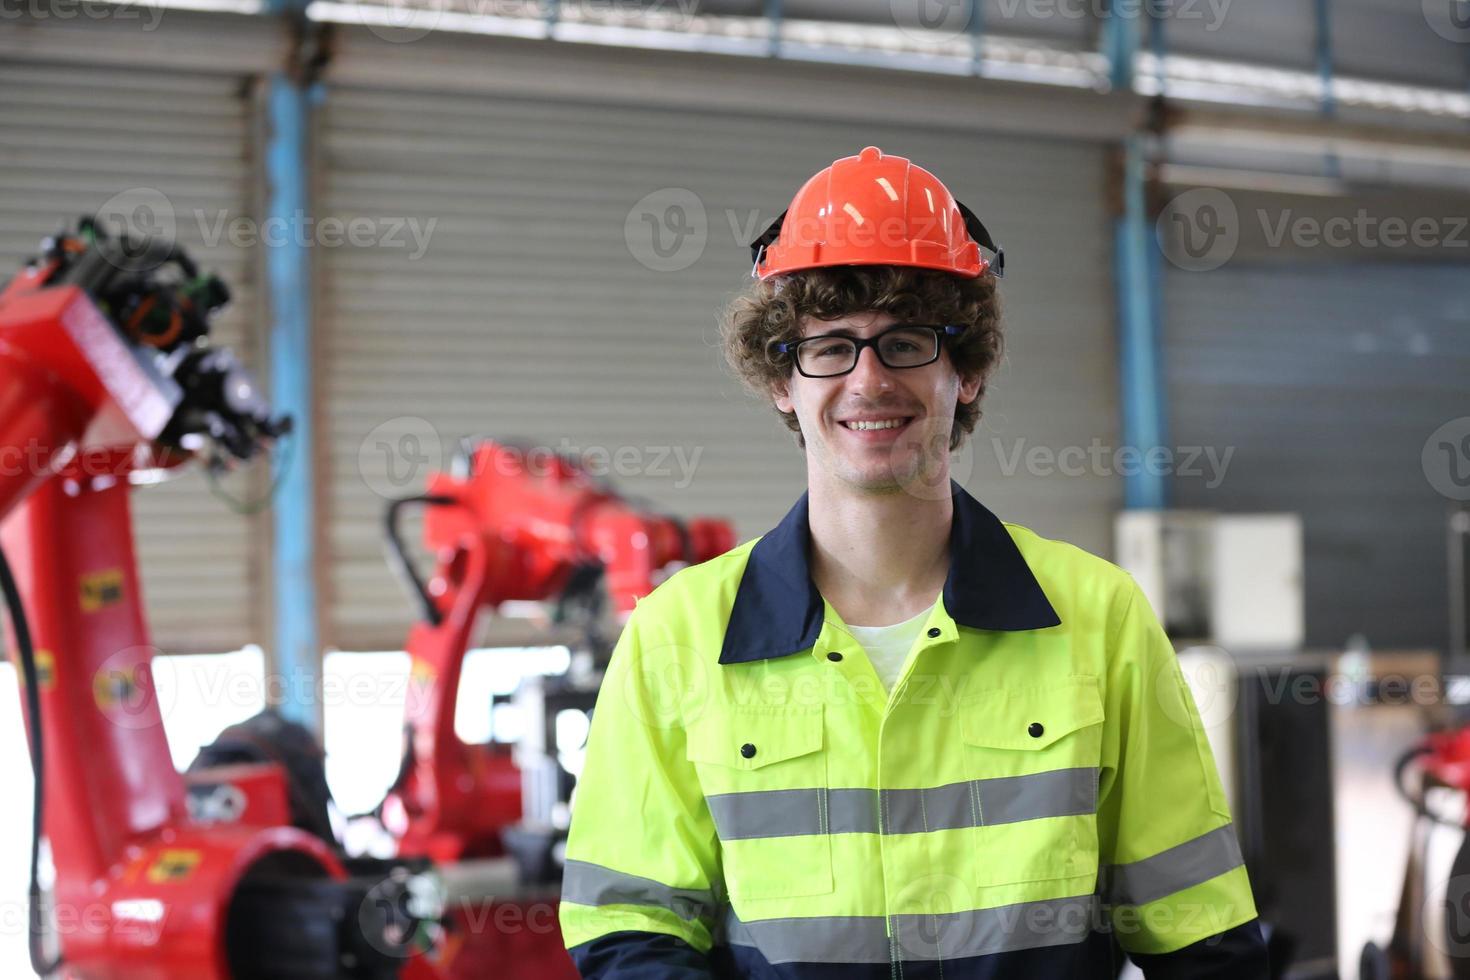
<point x="876" y="425"/>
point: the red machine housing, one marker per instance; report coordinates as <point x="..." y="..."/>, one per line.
<point x="1444" y="758"/>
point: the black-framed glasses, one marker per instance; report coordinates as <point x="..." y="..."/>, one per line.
<point x="905" y="345"/>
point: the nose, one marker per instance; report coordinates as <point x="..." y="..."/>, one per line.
<point x="870" y="374"/>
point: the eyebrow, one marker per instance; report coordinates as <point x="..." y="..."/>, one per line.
<point x="847" y="331"/>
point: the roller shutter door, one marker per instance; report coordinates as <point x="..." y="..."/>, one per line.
<point x="171" y="151"/>
<point x="540" y="309"/>
<point x="1327" y="380"/>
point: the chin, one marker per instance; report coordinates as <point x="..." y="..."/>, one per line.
<point x="879" y="478"/>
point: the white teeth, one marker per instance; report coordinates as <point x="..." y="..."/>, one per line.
<point x="886" y="424"/>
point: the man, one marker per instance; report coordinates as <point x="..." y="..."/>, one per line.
<point x="895" y="737"/>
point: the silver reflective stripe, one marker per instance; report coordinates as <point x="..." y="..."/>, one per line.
<point x="794" y="813"/>
<point x="977" y="803"/>
<point x="915" y="811"/>
<point x="823" y="939"/>
<point x="592" y="884"/>
<point x="865" y="939"/>
<point x="1028" y="925"/>
<point x="852" y="811"/>
<point x="1059" y="793"/>
<point x="771" y="813"/>
<point x="1191" y="863"/>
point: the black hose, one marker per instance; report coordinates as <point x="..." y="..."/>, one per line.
<point x="398" y="558"/>
<point x="1420" y="805"/>
<point x="30" y="678"/>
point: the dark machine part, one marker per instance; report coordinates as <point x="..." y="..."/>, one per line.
<point x="155" y="295"/>
<point x="284" y="924"/>
<point x="286" y="920"/>
<point x="268" y="737"/>
<point x="150" y="288"/>
<point x="222" y="404"/>
<point x="1284" y="813"/>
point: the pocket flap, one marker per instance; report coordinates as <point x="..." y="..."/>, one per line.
<point x="1030" y="718"/>
<point x="754" y="737"/>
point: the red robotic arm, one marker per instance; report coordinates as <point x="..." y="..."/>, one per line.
<point x="105" y="368"/>
<point x="507" y="524"/>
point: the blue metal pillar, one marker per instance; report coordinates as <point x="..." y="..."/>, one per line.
<point x="977" y="36"/>
<point x="1119" y="43"/>
<point x="1331" y="163"/>
<point x="774" y="13"/>
<point x="288" y="285"/>
<point x="1136" y="276"/>
<point x="1158" y="43"/>
<point x="1324" y="56"/>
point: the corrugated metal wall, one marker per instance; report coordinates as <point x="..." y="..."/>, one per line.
<point x="541" y="308"/>
<point x="1388" y="39"/>
<point x="1380" y="39"/>
<point x="1326" y="380"/>
<point x="169" y="151"/>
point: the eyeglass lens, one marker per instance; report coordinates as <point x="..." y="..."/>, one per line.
<point x="900" y="348"/>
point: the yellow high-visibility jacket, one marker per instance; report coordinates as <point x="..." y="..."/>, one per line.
<point x="1037" y="784"/>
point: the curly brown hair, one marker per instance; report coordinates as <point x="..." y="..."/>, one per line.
<point x="772" y="311"/>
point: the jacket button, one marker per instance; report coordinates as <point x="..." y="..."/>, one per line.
<point x="1035" y="729"/>
<point x="834" y="656"/>
<point x="747" y="750"/>
<point x="933" y="632"/>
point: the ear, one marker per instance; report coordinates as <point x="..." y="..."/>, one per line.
<point x="969" y="389"/>
<point x="781" y="395"/>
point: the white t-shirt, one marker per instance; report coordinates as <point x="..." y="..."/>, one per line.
<point x="888" y="647"/>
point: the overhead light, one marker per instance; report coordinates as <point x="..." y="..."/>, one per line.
<point x="1207" y="80"/>
<point x="248" y="7"/>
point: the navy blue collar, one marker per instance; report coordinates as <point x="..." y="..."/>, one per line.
<point x="778" y="610"/>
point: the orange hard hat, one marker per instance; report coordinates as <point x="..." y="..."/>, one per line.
<point x="875" y="209"/>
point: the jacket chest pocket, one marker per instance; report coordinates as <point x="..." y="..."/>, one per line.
<point x="763" y="772"/>
<point x="1033" y="755"/>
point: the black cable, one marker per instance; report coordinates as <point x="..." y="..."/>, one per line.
<point x="30" y="677"/>
<point x="398" y="559"/>
<point x="283" y="455"/>
<point x="1418" y="802"/>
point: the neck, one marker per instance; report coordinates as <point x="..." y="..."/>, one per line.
<point x="878" y="557"/>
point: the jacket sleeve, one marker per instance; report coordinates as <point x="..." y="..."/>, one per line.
<point x="1238" y="952"/>
<point x="642" y="860"/>
<point x="1170" y="868"/>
